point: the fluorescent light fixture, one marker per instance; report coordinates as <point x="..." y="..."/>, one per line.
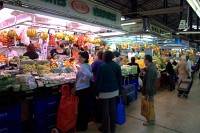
<point x="110" y="34"/>
<point x="128" y="23"/>
<point x="189" y="32"/>
<point x="195" y="4"/>
<point x="122" y="19"/>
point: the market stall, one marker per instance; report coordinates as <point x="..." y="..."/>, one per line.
<point x="32" y="86"/>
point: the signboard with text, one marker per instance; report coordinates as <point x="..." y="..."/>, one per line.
<point x="158" y="30"/>
<point x="80" y="9"/>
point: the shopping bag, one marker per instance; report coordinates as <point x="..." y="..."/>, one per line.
<point x="68" y="110"/>
<point x="120" y="112"/>
<point x="144" y="107"/>
<point x="147" y="109"/>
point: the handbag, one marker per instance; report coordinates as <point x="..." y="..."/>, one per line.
<point x="147" y="109"/>
<point x="120" y="112"/>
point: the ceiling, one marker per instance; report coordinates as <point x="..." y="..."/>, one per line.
<point x="130" y="9"/>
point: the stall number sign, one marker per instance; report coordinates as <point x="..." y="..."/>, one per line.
<point x="104" y="14"/>
<point x="57" y="2"/>
<point x="160" y="31"/>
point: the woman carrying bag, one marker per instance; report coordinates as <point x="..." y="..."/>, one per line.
<point x="108" y="88"/>
<point x="82" y="87"/>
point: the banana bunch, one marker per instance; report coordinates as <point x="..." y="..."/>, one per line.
<point x="4" y="33"/>
<point x="32" y="33"/>
<point x="12" y="33"/>
<point x="132" y="45"/>
<point x="118" y="45"/>
<point x="124" y="45"/>
<point x="44" y="35"/>
<point x="59" y="35"/>
<point x="66" y="38"/>
<point x="96" y="41"/>
<point x="91" y="60"/>
<point x="87" y="39"/>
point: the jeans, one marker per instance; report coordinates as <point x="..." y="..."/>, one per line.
<point x="109" y="115"/>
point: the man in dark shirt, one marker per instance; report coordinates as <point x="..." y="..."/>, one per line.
<point x="170" y="71"/>
<point x="95" y="66"/>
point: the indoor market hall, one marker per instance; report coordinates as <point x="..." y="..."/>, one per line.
<point x="173" y="114"/>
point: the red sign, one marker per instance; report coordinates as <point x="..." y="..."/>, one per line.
<point x="80" y="7"/>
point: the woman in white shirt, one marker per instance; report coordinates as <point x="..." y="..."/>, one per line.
<point x="12" y="53"/>
<point x="131" y="54"/>
<point x="82" y="90"/>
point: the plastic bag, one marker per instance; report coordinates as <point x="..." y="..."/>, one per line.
<point x="120" y="113"/>
<point x="68" y="110"/>
<point x="147" y="109"/>
<point x="140" y="82"/>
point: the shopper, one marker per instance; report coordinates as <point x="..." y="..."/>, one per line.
<point x="150" y="84"/>
<point x="117" y="58"/>
<point x="132" y="53"/>
<point x="108" y="88"/>
<point x="198" y="65"/>
<point x="182" y="68"/>
<point x="170" y="72"/>
<point x="132" y="63"/>
<point x="31" y="53"/>
<point x="189" y="64"/>
<point x="82" y="87"/>
<point x="58" y="52"/>
<point x="97" y="103"/>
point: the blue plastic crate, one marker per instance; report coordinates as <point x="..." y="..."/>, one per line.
<point x="11" y="127"/>
<point x="12" y="113"/>
<point x="135" y="81"/>
<point x="40" y="106"/>
<point x="44" y="123"/>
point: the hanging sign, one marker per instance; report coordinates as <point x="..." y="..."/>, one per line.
<point x="158" y="30"/>
<point x="78" y="9"/>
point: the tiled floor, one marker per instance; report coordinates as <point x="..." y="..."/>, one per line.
<point x="173" y="114"/>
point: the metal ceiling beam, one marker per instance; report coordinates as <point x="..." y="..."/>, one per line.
<point x="158" y="11"/>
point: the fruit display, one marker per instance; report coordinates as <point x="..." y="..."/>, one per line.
<point x="190" y="53"/>
<point x="6" y="80"/>
<point x="44" y="35"/>
<point x="28" y="68"/>
<point x="124" y="45"/>
<point x="96" y="41"/>
<point x="125" y="70"/>
<point x="124" y="60"/>
<point x="12" y="33"/>
<point x="3" y="58"/>
<point x="159" y="62"/>
<point x="32" y="33"/>
<point x="73" y="38"/>
<point x="145" y="45"/>
<point x="137" y="47"/>
<point x="59" y="35"/>
<point x="66" y="38"/>
<point x="140" y="63"/>
<point x="4" y="33"/>
<point x="43" y="68"/>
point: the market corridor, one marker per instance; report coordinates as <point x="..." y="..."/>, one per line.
<point x="173" y="114"/>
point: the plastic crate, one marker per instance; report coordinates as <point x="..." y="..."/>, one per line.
<point x="44" y="123"/>
<point x="12" y="113"/>
<point x="11" y="127"/>
<point x="40" y="106"/>
<point x="135" y="81"/>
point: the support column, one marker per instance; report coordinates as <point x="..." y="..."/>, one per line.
<point x="181" y="13"/>
<point x="190" y="19"/>
<point x="165" y="5"/>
